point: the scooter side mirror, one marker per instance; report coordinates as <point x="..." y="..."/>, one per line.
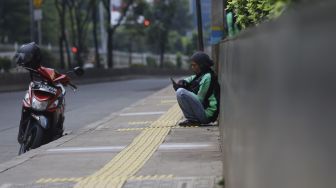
<point x="78" y="71"/>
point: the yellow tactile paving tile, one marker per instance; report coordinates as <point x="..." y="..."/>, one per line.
<point x="143" y="128"/>
<point x="150" y="122"/>
<point x="133" y="157"/>
<point x="168" y="101"/>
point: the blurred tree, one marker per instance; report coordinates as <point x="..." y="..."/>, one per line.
<point x="178" y="60"/>
<point x="175" y="43"/>
<point x="122" y="42"/>
<point x="14" y="21"/>
<point x="133" y="31"/>
<point x="63" y="40"/>
<point x="134" y="25"/>
<point x="48" y="59"/>
<point x="190" y="44"/>
<point x="5" y="63"/>
<point x="50" y="23"/>
<point x="80" y="11"/>
<point x="94" y="5"/>
<point x="167" y="16"/>
<point x="125" y="5"/>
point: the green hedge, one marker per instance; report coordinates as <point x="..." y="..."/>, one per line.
<point x="48" y="59"/>
<point x="178" y="60"/>
<point x="253" y="12"/>
<point x="151" y="62"/>
<point x="5" y="63"/>
<point x="169" y="65"/>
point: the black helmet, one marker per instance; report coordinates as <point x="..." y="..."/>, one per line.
<point x="28" y="55"/>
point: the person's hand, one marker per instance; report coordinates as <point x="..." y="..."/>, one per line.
<point x="175" y="86"/>
<point x="180" y="84"/>
<point x="183" y="84"/>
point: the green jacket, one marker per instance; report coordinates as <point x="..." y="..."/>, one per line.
<point x="204" y="85"/>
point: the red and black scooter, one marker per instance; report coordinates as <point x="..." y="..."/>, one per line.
<point x="43" y="107"/>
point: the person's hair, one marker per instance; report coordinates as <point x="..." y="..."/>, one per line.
<point x="203" y="60"/>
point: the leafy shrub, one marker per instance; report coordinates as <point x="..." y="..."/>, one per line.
<point x="5" y="63"/>
<point x="253" y="12"/>
<point x="137" y="65"/>
<point x="151" y="62"/>
<point x="178" y="60"/>
<point x="48" y="59"/>
<point x="169" y="65"/>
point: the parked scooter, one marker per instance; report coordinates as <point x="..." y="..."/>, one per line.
<point x="43" y="105"/>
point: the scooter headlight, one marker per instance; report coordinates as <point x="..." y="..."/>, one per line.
<point x="54" y="104"/>
<point x="39" y="105"/>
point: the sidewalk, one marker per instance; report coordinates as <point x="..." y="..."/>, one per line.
<point x="141" y="146"/>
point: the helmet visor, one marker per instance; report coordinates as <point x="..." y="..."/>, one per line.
<point x="22" y="59"/>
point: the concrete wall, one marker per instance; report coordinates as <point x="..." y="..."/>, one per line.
<point x="278" y="108"/>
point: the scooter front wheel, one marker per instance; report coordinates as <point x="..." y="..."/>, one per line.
<point x="34" y="138"/>
<point x="22" y="149"/>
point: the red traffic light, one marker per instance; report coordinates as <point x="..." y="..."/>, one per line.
<point x="146" y="23"/>
<point x="74" y="50"/>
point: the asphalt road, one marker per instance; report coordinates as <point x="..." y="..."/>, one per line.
<point x="88" y="104"/>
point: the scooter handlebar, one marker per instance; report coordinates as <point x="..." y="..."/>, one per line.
<point x="72" y="85"/>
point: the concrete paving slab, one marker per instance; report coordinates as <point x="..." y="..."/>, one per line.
<point x="194" y="134"/>
<point x="188" y="157"/>
<point x="128" y="122"/>
<point x="102" y="138"/>
<point x="183" y="163"/>
<point x="56" y="166"/>
<point x="184" y="182"/>
<point x="9" y="151"/>
<point x="33" y="185"/>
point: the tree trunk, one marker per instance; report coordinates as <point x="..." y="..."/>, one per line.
<point x="163" y="39"/>
<point x="66" y="42"/>
<point x="73" y="31"/>
<point x="61" y="52"/>
<point x="61" y="12"/>
<point x="79" y="38"/>
<point x="162" y="51"/>
<point x="110" y="48"/>
<point x="95" y="37"/>
<point x="79" y="52"/>
<point x="111" y="30"/>
<point x="72" y="23"/>
<point x="130" y="51"/>
<point x="64" y="37"/>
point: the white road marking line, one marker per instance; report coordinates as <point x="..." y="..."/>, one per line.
<point x="175" y="146"/>
<point x="86" y="149"/>
<point x="7" y="185"/>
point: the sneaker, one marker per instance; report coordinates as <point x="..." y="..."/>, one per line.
<point x="187" y="123"/>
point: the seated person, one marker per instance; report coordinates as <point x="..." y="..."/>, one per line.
<point x="198" y="95"/>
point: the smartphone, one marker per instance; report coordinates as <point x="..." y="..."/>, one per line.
<point x="173" y="81"/>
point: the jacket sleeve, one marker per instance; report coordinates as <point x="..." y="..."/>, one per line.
<point x="190" y="78"/>
<point x="204" y="87"/>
